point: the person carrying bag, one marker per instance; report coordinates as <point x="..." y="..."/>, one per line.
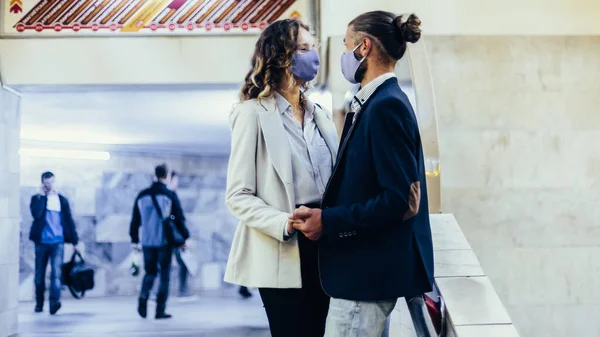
<point x="159" y="235"/>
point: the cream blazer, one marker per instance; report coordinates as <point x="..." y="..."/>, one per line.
<point x="260" y="193"/>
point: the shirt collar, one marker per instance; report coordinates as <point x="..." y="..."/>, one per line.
<point x="365" y="93"/>
<point x="283" y="105"/>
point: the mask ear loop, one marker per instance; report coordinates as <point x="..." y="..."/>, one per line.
<point x="354" y="50"/>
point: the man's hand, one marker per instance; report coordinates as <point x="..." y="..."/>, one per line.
<point x="75" y="248"/>
<point x="311" y="226"/>
<point x="136" y="247"/>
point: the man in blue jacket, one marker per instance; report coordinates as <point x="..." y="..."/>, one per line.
<point x="52" y="226"/>
<point x="373" y="226"/>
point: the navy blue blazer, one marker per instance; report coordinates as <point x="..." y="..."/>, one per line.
<point x="376" y="242"/>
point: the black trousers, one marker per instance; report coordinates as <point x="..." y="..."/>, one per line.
<point x="153" y="257"/>
<point x="299" y="312"/>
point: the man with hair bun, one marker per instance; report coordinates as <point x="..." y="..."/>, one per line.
<point x="373" y="223"/>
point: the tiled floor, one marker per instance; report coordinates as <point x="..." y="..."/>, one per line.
<point x="208" y="315"/>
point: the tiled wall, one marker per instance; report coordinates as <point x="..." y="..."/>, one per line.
<point x="9" y="211"/>
<point x="102" y="196"/>
<point x="519" y="122"/>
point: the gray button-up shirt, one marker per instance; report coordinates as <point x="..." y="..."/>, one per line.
<point x="363" y="94"/>
<point x="311" y="158"/>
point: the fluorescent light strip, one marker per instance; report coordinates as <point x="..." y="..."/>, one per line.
<point x="65" y="154"/>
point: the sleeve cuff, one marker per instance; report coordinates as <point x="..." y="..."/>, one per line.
<point x="287" y="236"/>
<point x="331" y="227"/>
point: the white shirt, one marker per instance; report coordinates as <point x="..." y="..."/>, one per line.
<point x="53" y="202"/>
<point x="311" y="158"/>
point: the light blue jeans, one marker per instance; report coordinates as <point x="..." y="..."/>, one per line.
<point x="357" y="319"/>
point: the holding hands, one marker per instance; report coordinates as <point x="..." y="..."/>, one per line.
<point x="308" y="221"/>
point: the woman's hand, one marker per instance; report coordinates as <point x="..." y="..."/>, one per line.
<point x="290" y="226"/>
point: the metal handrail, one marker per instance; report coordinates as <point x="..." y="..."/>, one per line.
<point x="420" y="316"/>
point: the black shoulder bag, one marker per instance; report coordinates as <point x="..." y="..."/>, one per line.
<point x="172" y="233"/>
<point x="78" y="276"/>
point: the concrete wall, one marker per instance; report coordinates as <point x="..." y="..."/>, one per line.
<point x="9" y="211"/>
<point x="192" y="59"/>
<point x="476" y="17"/>
<point x="519" y="120"/>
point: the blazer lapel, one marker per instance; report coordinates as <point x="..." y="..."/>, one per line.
<point x="347" y="138"/>
<point x="359" y="115"/>
<point x="328" y="132"/>
<point x="276" y="140"/>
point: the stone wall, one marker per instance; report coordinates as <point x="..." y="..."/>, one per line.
<point x="9" y="211"/>
<point x="102" y="195"/>
<point x="519" y="118"/>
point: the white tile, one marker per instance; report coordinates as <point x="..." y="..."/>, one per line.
<point x="487" y="331"/>
<point x="557" y="321"/>
<point x="4" y="205"/>
<point x="13" y="144"/>
<point x="472" y="300"/>
<point x="510" y="158"/>
<point x="12" y="273"/>
<point x="492" y="218"/>
<point x="9" y="284"/>
<point x="545" y="276"/>
<point x="206" y="223"/>
<point x="8" y="322"/>
<point x="27" y="289"/>
<point x="114" y="228"/>
<point x="513" y="181"/>
<point x="456" y="263"/>
<point x="9" y="232"/>
<point x="446" y="233"/>
<point x="85" y="197"/>
<point x="5" y="287"/>
<point x="212" y="277"/>
<point x="462" y="110"/>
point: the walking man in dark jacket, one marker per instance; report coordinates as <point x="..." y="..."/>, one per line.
<point x="52" y="226"/>
<point x="157" y="252"/>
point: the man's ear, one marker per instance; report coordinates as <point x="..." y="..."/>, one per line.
<point x="366" y="47"/>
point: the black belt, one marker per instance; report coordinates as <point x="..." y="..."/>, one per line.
<point x="310" y="205"/>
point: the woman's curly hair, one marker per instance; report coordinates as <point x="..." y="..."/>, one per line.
<point x="272" y="61"/>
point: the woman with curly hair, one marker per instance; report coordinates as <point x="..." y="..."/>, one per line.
<point x="282" y="154"/>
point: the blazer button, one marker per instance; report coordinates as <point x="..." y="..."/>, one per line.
<point x="341" y="235"/>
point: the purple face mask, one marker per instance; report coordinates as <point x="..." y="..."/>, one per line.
<point x="306" y="65"/>
<point x="350" y="65"/>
